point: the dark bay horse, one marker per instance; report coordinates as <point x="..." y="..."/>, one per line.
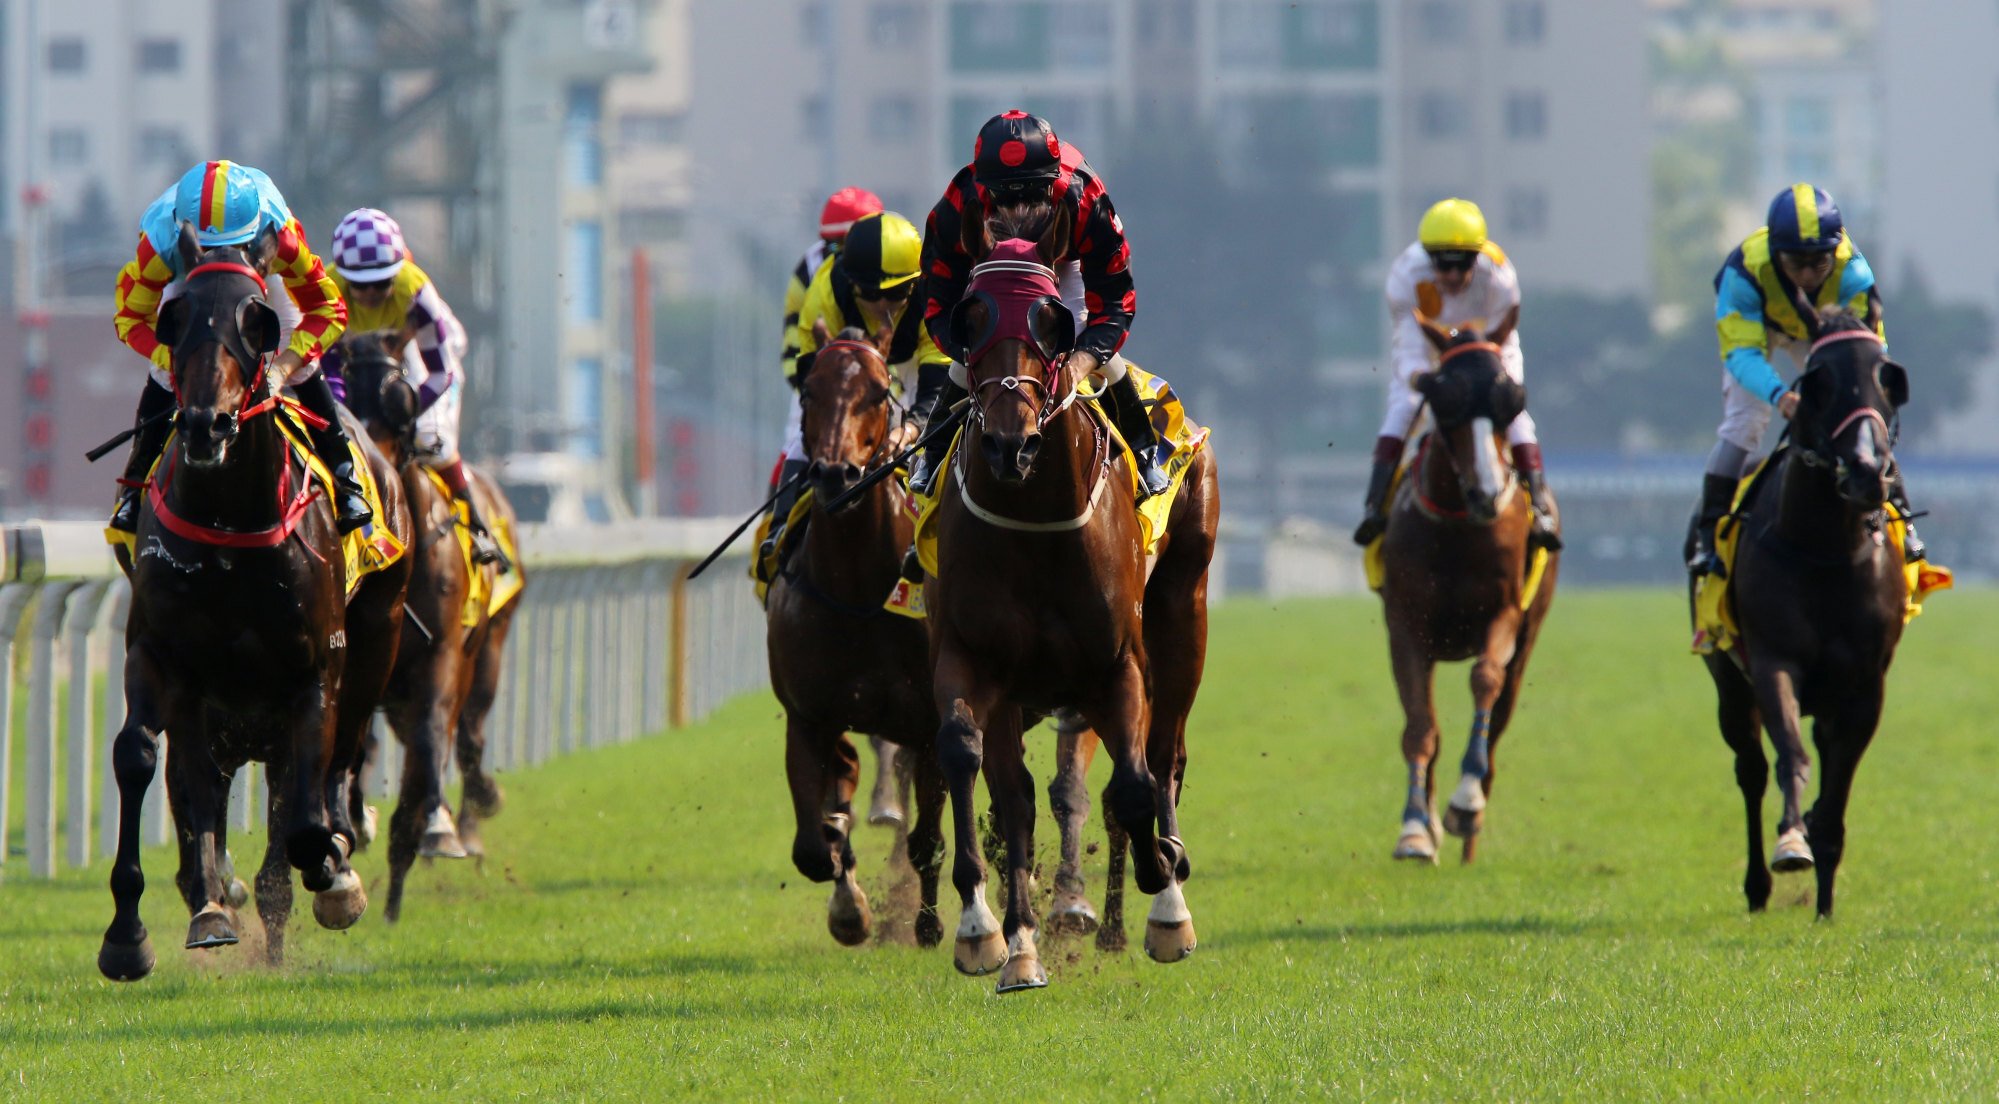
<point x="242" y="642"/>
<point x="447" y="672"/>
<point x="839" y="662"/>
<point x="1043" y="602"/>
<point x="1455" y="555"/>
<point x="1819" y="598"/>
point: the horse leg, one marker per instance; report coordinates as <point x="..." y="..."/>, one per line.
<point x="1413" y="673"/>
<point x="1069" y="803"/>
<point x="127" y="951"/>
<point x="1176" y="634"/>
<point x="1011" y="789"/>
<point x="1110" y="934"/>
<point x="198" y="791"/>
<point x="1489" y="672"/>
<point x="1121" y="718"/>
<point x="848" y="916"/>
<point x="885" y="804"/>
<point x="274" y="878"/>
<point x="481" y="797"/>
<point x="406" y="823"/>
<point x="963" y="701"/>
<point x="310" y="846"/>
<point x="1842" y="737"/>
<point x="1777" y="703"/>
<point x="430" y="747"/>
<point x="362" y="814"/>
<point x="926" y="843"/>
<point x="1742" y="730"/>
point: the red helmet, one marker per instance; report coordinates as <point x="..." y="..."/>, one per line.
<point x="842" y="208"/>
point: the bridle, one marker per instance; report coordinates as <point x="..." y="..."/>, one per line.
<point x="1442" y="437"/>
<point x="869" y="354"/>
<point x="1049" y="409"/>
<point x="1814" y="455"/>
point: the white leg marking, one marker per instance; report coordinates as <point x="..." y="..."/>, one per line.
<point x="1169" y="906"/>
<point x="1470" y="796"/>
<point x="977" y="921"/>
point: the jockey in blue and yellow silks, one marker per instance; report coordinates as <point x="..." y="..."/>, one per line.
<point x="1803" y="248"/>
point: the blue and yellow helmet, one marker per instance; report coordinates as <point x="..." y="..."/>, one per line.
<point x="1803" y="219"/>
<point x="223" y="200"/>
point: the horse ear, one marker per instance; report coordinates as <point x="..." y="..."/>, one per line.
<point x="1807" y="313"/>
<point x="189" y="247"/>
<point x="820" y="333"/>
<point x="258" y="324"/>
<point x="1895" y="383"/>
<point x="883" y="337"/>
<point x="1506" y="326"/>
<point x="1438" y="336"/>
<point x="264" y="251"/>
<point x="171" y="321"/>
<point x="974" y="235"/>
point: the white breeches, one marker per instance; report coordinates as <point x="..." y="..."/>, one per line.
<point x="1744" y="416"/>
<point x="437" y="429"/>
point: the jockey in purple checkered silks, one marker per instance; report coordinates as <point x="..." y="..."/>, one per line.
<point x="386" y="291"/>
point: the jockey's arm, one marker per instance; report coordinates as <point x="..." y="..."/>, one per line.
<point x="440" y="342"/>
<point x="305" y="279"/>
<point x="818" y="305"/>
<point x="1745" y="346"/>
<point x="141" y="283"/>
<point x="794" y="302"/>
<point x="1108" y="290"/>
<point x="946" y="267"/>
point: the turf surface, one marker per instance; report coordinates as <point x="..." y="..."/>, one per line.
<point x="639" y="932"/>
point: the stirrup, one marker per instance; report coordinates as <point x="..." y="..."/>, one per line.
<point x="485" y="549"/>
<point x="912" y="566"/>
<point x="1370" y="528"/>
<point x="1542" y="533"/>
<point x="125" y="513"/>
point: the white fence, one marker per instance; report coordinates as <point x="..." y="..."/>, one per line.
<point x="612" y="641"/>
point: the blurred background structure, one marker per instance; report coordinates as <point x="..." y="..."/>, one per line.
<point x="549" y="157"/>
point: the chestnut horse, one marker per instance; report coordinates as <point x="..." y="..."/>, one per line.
<point x="839" y="662"/>
<point x="1456" y="563"/>
<point x="447" y="672"/>
<point x="1819" y="598"/>
<point x="243" y="642"/>
<point x="1037" y="606"/>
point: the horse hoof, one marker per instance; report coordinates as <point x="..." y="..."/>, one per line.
<point x="488" y="803"/>
<point x="929" y="929"/>
<point x="1793" y="852"/>
<point x="126" y="961"/>
<point x="1416" y="844"/>
<point x="440" y="837"/>
<point x="1072" y="915"/>
<point x="848" y="916"/>
<point x="339" y="907"/>
<point x="364" y="829"/>
<point x="886" y="814"/>
<point x="213" y="926"/>
<point x="236" y="894"/>
<point x="1169" y="942"/>
<point x="978" y="955"/>
<point x="1463" y="823"/>
<point x="1022" y="971"/>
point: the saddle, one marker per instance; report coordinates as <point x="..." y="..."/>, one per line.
<point x="489" y="591"/>
<point x="1375" y="562"/>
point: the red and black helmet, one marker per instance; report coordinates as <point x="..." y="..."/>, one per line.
<point x="1017" y="155"/>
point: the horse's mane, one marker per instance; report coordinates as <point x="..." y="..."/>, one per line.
<point x="1020" y="220"/>
<point x="1841" y="320"/>
<point x="1040" y="221"/>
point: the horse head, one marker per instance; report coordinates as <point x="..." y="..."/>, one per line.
<point x="844" y="401"/>
<point x="220" y="328"/>
<point x="377" y="390"/>
<point x="1015" y="333"/>
<point x="1847" y="398"/>
<point x="1472" y="400"/>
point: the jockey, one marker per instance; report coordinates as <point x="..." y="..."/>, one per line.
<point x="870" y="284"/>
<point x="385" y="290"/>
<point x="1803" y="246"/>
<point x="231" y="204"/>
<point x="835" y="220"/>
<point x="1018" y="161"/>
<point x="1457" y="277"/>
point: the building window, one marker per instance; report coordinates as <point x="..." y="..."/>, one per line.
<point x="652" y="224"/>
<point x="68" y="146"/>
<point x="1441" y="22"/>
<point x="1082" y="38"/>
<point x="584" y="278"/>
<point x="892" y="118"/>
<point x="1526" y="22"/>
<point x="895" y="24"/>
<point x="1331" y="34"/>
<point x="1252" y="37"/>
<point x="1440" y="115"/>
<point x="582" y="142"/>
<point x="586" y="406"/>
<point x="812" y="120"/>
<point x="1807" y="117"/>
<point x="66" y="55"/>
<point x="159" y="55"/>
<point x="1526" y="116"/>
<point x="1526" y="212"/>
<point x="988" y="36"/>
<point x="162" y="145"/>
<point x="651" y="128"/>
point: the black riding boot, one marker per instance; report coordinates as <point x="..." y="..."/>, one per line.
<point x="1717" y="499"/>
<point x="780" y="510"/>
<point x="1543" y="532"/>
<point x="1374" y="519"/>
<point x="1913" y="548"/>
<point x="350" y="505"/>
<point x="930" y="458"/>
<point x="154" y="402"/>
<point x="1134" y="424"/>
<point x="485" y="548"/>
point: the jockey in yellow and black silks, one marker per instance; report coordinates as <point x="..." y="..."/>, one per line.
<point x="843" y="208"/>
<point x="1803" y="247"/>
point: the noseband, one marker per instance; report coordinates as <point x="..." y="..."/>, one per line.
<point x="1049" y="409"/>
<point x="1814" y="457"/>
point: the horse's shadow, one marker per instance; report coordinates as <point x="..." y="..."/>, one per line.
<point x="1414" y="929"/>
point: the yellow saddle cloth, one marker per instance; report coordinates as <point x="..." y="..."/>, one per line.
<point x="365" y="551"/>
<point x="1169" y="420"/>
<point x="763" y="567"/>
<point x="1715" y="628"/>
<point x="1375" y="563"/>
<point x="490" y="590"/>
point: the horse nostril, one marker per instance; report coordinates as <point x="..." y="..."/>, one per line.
<point x="991" y="447"/>
<point x="816" y="470"/>
<point x="851" y="471"/>
<point x="1029" y="449"/>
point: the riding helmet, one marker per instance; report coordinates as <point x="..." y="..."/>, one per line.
<point x="224" y="201"/>
<point x="882" y="251"/>
<point x="1017" y="155"/>
<point x="1803" y="219"/>
<point x="1454" y="225"/>
<point x="842" y="208"/>
<point x="368" y="246"/>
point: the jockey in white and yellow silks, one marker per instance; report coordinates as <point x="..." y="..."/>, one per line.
<point x="230" y="204"/>
<point x="386" y="291"/>
<point x="1458" y="278"/>
<point x="1803" y="247"/>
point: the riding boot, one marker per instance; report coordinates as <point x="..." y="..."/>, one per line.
<point x="1717" y="499"/>
<point x="1134" y="424"/>
<point x="330" y="444"/>
<point x="1374" y="516"/>
<point x="930" y="458"/>
<point x="151" y="437"/>
<point x="780" y="510"/>
<point x="1527" y="459"/>
<point x="1913" y="548"/>
<point x="485" y="550"/>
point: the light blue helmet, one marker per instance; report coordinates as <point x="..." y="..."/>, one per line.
<point x="224" y="201"/>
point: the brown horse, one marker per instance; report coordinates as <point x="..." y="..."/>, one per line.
<point x="839" y="662"/>
<point x="1819" y="598"/>
<point x="447" y="671"/>
<point x="1037" y="607"/>
<point x="242" y="641"/>
<point x="1456" y="564"/>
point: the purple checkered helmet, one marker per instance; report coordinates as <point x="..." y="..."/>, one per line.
<point x="368" y="246"/>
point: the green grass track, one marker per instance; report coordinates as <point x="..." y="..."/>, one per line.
<point x="639" y="932"/>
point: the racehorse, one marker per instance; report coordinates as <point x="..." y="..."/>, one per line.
<point x="1037" y="602"/>
<point x="243" y="642"/>
<point x="839" y="662"/>
<point x="1456" y="567"/>
<point x="1819" y="598"/>
<point x="447" y="670"/>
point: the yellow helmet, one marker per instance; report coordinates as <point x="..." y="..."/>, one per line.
<point x="882" y="251"/>
<point x="1452" y="224"/>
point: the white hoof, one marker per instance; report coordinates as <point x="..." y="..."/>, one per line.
<point x="342" y="904"/>
<point x="1793" y="852"/>
<point x="1169" y="927"/>
<point x="1022" y="969"/>
<point x="980" y="949"/>
<point x="1470" y="795"/>
<point x="1417" y="842"/>
<point x="440" y="837"/>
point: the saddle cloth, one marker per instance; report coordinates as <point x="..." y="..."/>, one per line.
<point x="1715" y="627"/>
<point x="489" y="591"/>
<point x="1375" y="562"/>
<point x="763" y="568"/>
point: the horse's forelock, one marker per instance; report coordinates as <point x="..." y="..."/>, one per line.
<point x="1841" y="320"/>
